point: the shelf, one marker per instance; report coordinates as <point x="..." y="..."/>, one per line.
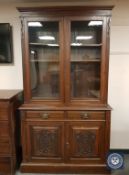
<point x="87" y="61"/>
<point x="87" y="45"/>
<point x="45" y="61"/>
<point x="73" y="61"/>
<point x="56" y="45"/>
<point x="44" y="45"/>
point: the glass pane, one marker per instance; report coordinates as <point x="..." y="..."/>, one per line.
<point x="85" y="80"/>
<point x="86" y="43"/>
<point x="44" y="59"/>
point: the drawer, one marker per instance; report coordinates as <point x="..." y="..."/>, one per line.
<point x="45" y="115"/>
<point x="3" y="114"/>
<point x="4" y="147"/>
<point x="4" y="107"/>
<point x="4" y="104"/>
<point x="5" y="165"/>
<point x="86" y="115"/>
<point x="4" y="129"/>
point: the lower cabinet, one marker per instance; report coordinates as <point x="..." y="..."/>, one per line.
<point x="75" y="142"/>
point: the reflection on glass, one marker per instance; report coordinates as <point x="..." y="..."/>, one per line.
<point x="86" y="32"/>
<point x="85" y="54"/>
<point x="85" y="80"/>
<point x="86" y="43"/>
<point x="44" y="59"/>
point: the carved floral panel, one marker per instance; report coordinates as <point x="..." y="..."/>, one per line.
<point x="45" y="141"/>
<point x="85" y="143"/>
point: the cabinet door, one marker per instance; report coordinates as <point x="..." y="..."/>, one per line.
<point x="44" y="141"/>
<point x="85" y="141"/>
<point x="86" y="57"/>
<point x="44" y="59"/>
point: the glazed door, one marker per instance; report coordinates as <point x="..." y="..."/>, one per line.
<point x="86" y="58"/>
<point x="44" y="81"/>
<point x="45" y="141"/>
<point x="85" y="141"/>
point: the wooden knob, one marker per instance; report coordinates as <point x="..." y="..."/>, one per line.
<point x="67" y="144"/>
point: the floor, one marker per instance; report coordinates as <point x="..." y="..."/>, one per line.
<point x="123" y="171"/>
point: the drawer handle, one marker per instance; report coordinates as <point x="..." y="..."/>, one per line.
<point x="84" y="115"/>
<point x="67" y="144"/>
<point x="44" y="116"/>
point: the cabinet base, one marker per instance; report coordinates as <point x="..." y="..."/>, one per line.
<point x="5" y="166"/>
<point x="64" y="168"/>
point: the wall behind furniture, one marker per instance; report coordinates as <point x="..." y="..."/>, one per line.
<point x="11" y="75"/>
<point x="119" y="75"/>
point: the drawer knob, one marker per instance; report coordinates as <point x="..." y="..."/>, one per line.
<point x="44" y="116"/>
<point x="84" y="115"/>
<point x="67" y="144"/>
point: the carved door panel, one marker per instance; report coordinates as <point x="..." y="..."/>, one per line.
<point x="85" y="141"/>
<point x="45" y="141"/>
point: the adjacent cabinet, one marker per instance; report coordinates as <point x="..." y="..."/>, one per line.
<point x="65" y="118"/>
<point x="9" y="145"/>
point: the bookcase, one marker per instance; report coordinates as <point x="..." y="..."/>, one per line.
<point x="65" y="117"/>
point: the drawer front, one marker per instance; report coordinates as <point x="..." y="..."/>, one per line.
<point x="4" y="104"/>
<point x="86" y="115"/>
<point x="4" y="129"/>
<point x="3" y="113"/>
<point x="45" y="115"/>
<point x="5" y="165"/>
<point x="4" y="147"/>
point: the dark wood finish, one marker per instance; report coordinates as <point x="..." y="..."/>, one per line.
<point x="66" y="10"/>
<point x="65" y="168"/>
<point x="86" y="115"/>
<point x="9" y="102"/>
<point x="45" y="115"/>
<point x="84" y="142"/>
<point x="66" y="135"/>
<point x="45" y="141"/>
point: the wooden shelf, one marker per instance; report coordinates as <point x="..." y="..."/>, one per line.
<point x="87" y="61"/>
<point x="88" y="45"/>
<point x="44" y="61"/>
<point x="43" y="45"/>
<point x="83" y="45"/>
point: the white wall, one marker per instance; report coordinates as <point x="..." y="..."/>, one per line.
<point x="119" y="75"/>
<point x="11" y="75"/>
